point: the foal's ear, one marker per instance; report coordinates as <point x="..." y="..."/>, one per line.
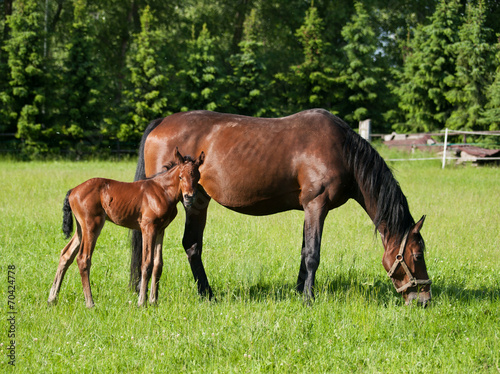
<point x="200" y="159"/>
<point x="418" y="226"/>
<point x="178" y="157"/>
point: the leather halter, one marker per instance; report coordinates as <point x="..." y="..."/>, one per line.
<point x="400" y="260"/>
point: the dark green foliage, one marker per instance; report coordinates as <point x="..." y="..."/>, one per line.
<point x="427" y="67"/>
<point x="26" y="76"/>
<point x="364" y="73"/>
<point x="475" y="67"/>
<point x="491" y="115"/>
<point x="79" y="75"/>
<point x="83" y="105"/>
<point x="200" y="77"/>
<point x="249" y="86"/>
<point x="146" y="98"/>
<point x="311" y="83"/>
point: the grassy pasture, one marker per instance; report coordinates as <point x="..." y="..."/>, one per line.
<point x="258" y="324"/>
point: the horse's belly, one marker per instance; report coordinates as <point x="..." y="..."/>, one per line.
<point x="267" y="206"/>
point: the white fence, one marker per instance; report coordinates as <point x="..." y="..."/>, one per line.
<point x="366" y="133"/>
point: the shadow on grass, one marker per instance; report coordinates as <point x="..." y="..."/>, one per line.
<point x="464" y="294"/>
<point x="338" y="287"/>
<point x="380" y="291"/>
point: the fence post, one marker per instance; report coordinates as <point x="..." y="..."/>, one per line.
<point x="365" y="129"/>
<point x="444" y="148"/>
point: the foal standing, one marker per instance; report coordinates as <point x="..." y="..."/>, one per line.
<point x="147" y="205"/>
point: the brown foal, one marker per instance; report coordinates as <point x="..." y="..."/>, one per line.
<point x="147" y="205"/>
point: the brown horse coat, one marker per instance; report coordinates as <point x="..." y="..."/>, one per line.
<point x="311" y="161"/>
<point x="146" y="205"/>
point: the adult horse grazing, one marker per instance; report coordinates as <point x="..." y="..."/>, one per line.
<point x="148" y="205"/>
<point x="311" y="161"/>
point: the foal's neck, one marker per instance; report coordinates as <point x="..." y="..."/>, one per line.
<point x="169" y="182"/>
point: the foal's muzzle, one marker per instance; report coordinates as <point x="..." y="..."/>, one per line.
<point x="188" y="200"/>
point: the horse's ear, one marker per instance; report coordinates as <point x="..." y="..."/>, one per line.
<point x="177" y="156"/>
<point x="418" y="226"/>
<point x="200" y="159"/>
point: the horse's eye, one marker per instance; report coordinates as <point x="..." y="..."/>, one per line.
<point x="180" y="177"/>
<point x="418" y="256"/>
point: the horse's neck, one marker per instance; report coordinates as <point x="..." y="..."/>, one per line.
<point x="390" y="218"/>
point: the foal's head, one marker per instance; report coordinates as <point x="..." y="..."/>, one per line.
<point x="189" y="176"/>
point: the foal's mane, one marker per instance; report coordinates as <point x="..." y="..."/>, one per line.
<point x="375" y="178"/>
<point x="170" y="166"/>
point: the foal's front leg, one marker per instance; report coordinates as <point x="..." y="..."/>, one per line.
<point x="157" y="268"/>
<point x="148" y="243"/>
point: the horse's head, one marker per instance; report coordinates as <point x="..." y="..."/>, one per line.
<point x="189" y="175"/>
<point x="405" y="264"/>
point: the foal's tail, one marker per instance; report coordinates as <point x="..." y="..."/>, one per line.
<point x="67" y="225"/>
<point x="136" y="238"/>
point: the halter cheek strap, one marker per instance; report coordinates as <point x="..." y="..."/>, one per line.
<point x="400" y="260"/>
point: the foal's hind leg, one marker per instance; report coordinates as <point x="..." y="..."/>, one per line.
<point x="68" y="254"/>
<point x="90" y="232"/>
<point x="315" y="214"/>
<point x="157" y="268"/>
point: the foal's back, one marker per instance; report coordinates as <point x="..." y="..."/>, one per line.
<point x="119" y="202"/>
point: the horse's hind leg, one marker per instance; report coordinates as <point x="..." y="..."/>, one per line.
<point x="157" y="268"/>
<point x="90" y="232"/>
<point x="68" y="254"/>
<point x="315" y="214"/>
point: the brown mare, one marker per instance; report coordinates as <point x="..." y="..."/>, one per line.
<point x="148" y="205"/>
<point x="311" y="161"/>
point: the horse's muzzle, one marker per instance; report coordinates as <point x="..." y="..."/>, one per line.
<point x="423" y="298"/>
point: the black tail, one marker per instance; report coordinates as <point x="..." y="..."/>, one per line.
<point x="67" y="225"/>
<point x="136" y="239"/>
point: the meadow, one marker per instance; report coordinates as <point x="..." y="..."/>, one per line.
<point x="258" y="323"/>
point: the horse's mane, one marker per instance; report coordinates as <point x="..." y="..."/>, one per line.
<point x="375" y="178"/>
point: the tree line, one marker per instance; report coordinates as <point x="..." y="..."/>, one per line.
<point x="80" y="74"/>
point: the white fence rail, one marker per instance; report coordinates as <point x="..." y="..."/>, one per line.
<point x="365" y="132"/>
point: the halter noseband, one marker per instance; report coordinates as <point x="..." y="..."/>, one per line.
<point x="413" y="282"/>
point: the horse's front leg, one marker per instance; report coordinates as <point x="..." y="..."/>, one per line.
<point x="157" y="268"/>
<point x="67" y="257"/>
<point x="196" y="218"/>
<point x="315" y="214"/>
<point x="148" y="243"/>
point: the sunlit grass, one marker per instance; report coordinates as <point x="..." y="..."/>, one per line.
<point x="258" y="323"/>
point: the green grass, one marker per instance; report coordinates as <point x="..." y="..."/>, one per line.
<point x="258" y="324"/>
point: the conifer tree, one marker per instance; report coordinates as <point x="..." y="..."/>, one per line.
<point x="247" y="84"/>
<point x="27" y="78"/>
<point x="201" y="79"/>
<point x="363" y="76"/>
<point x="147" y="97"/>
<point x="474" y="71"/>
<point x="490" y="117"/>
<point x="310" y="84"/>
<point x="82" y="82"/>
<point x="423" y="91"/>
